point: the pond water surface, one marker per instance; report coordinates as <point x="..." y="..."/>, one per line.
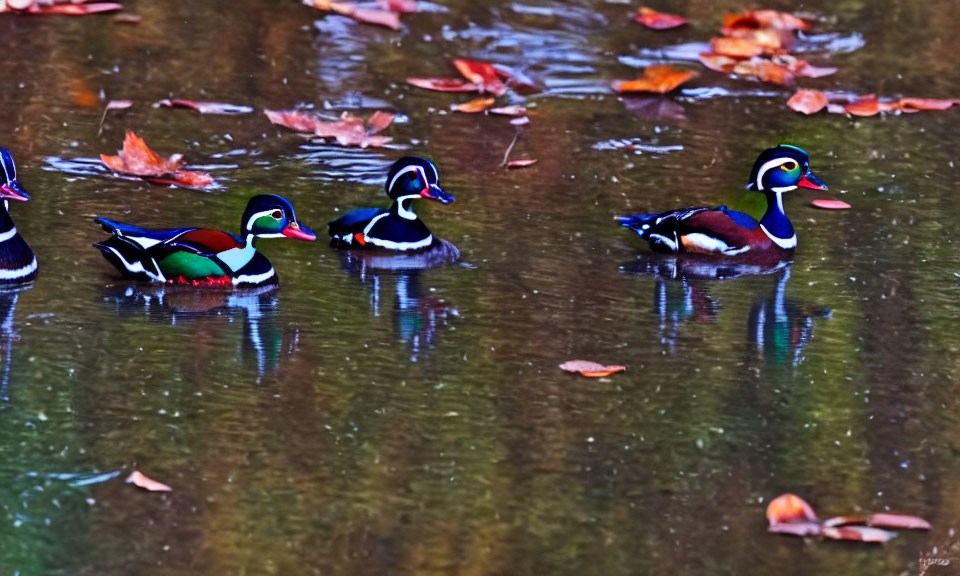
<point x="363" y="420"/>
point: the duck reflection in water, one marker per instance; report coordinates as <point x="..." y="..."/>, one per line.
<point x="779" y="328"/>
<point x="416" y="315"/>
<point x="265" y="338"/>
<point x="8" y="306"/>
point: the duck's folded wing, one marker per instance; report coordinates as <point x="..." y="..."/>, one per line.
<point x="715" y="230"/>
<point x="141" y="237"/>
<point x="353" y="222"/>
<point x="206" y="242"/>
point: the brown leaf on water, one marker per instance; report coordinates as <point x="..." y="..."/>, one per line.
<point x="138" y="479"/>
<point x="385" y="18"/>
<point x="474" y="106"/>
<point x="868" y="105"/>
<point x="137" y="159"/>
<point x="772" y="41"/>
<point x="82" y="95"/>
<point x="349" y="130"/>
<point x="659" y="79"/>
<point x="764" y="70"/>
<point x="658" y="20"/>
<point x="590" y="369"/>
<point x="717" y="62"/>
<point x="808" y="101"/>
<point x="788" y="508"/>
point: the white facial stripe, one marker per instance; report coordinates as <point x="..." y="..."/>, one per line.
<point x="405" y="170"/>
<point x="402" y="210"/>
<point x="253" y="218"/>
<point x="769" y="166"/>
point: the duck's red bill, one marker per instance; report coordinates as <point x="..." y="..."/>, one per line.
<point x="13" y="191"/>
<point x="296" y="231"/>
<point x="812" y="182"/>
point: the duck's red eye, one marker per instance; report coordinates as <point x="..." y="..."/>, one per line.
<point x="277" y="215"/>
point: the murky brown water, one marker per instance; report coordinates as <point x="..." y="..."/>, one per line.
<point x="361" y="421"/>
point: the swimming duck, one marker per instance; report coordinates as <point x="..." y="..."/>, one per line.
<point x="17" y="261"/>
<point x="203" y="257"/>
<point x="720" y="231"/>
<point x="397" y="227"/>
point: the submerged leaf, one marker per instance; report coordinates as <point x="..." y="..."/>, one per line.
<point x="349" y="130"/>
<point x="808" y="101"/>
<point x="660" y="79"/>
<point x="658" y="20"/>
<point x="138" y="479"/>
<point x="590" y="369"/>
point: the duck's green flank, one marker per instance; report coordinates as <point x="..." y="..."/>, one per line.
<point x="190" y="266"/>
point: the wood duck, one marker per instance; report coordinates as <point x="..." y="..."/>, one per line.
<point x="722" y="232"/>
<point x="395" y="228"/>
<point x="17" y="261"/>
<point x="202" y="257"/>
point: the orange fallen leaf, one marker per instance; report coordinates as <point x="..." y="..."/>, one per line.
<point x="590" y="369"/>
<point x="830" y="204"/>
<point x="139" y="160"/>
<point x="658" y="20"/>
<point x="857" y="534"/>
<point x="717" y="62"/>
<point x="807" y="70"/>
<point x="443" y="84"/>
<point x="186" y="179"/>
<point x="400" y="6"/>
<point x="869" y="106"/>
<point x="483" y="74"/>
<point x="884" y="520"/>
<point x="385" y="18"/>
<point x="81" y="95"/>
<point x="206" y="107"/>
<point x="138" y="479"/>
<point x="808" y="101"/>
<point x="764" y="70"/>
<point x="474" y="106"/>
<point x="660" y="79"/>
<point x="771" y="40"/>
<point x="788" y="508"/>
<point x="736" y="47"/>
<point x="513" y="164"/>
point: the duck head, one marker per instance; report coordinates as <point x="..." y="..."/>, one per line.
<point x="782" y="169"/>
<point x="412" y="177"/>
<point x="9" y="188"/>
<point x="269" y="216"/>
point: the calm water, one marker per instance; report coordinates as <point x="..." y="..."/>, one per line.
<point x="368" y="421"/>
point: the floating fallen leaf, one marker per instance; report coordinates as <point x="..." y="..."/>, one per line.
<point x="830" y="204"/>
<point x="206" y="107"/>
<point x="765" y="19"/>
<point x="735" y="47"/>
<point x="915" y="104"/>
<point x="138" y="479"/>
<point x="385" y="18"/>
<point x="807" y="70"/>
<point x="82" y="95"/>
<point x="658" y="20"/>
<point x="869" y="106"/>
<point x="790" y="514"/>
<point x="349" y="130"/>
<point x="808" y="101"/>
<point x="474" y="106"/>
<point x="660" y="79"/>
<point x="483" y="74"/>
<point x="590" y="369"/>
<point x="717" y="62"/>
<point x="770" y="40"/>
<point x="521" y="121"/>
<point x="443" y="84"/>
<point x="788" y="508"/>
<point x="509" y="111"/>
<point x="75" y="9"/>
<point x="400" y="6"/>
<point x="137" y="159"/>
<point x="513" y="164"/>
